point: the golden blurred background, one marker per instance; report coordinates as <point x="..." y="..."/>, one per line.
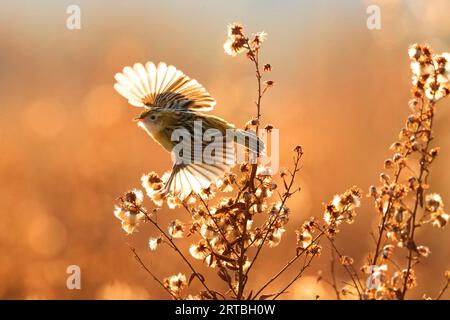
<point x="69" y="147"/>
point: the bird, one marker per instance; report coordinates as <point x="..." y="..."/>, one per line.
<point x="174" y="106"/>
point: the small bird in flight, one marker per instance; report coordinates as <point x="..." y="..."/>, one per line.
<point x="173" y="104"/>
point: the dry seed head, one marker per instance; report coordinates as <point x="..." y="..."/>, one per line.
<point x="447" y="275"/>
<point x="384" y="177"/>
<point x="154" y="243"/>
<point x="267" y="67"/>
<point x="176" y="229"/>
<point x="373" y="191"/>
<point x="423" y="251"/>
<point x="298" y="149"/>
<point x="396" y="146"/>
<point x="346" y="260"/>
<point x="434" y="152"/>
<point x="268" y="127"/>
<point x="388" y="164"/>
<point x="269" y="83"/>
<point x="388" y="251"/>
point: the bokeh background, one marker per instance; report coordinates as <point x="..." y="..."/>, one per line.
<point x="68" y="146"/>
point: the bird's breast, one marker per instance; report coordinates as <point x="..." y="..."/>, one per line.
<point x="158" y="134"/>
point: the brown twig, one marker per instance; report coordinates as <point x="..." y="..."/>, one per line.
<point x="418" y="202"/>
<point x="382" y="226"/>
<point x="390" y="202"/>
<point x="138" y="259"/>
<point x="298" y="276"/>
<point x="175" y="247"/>
<point x="333" y="275"/>
<point x="441" y="293"/>
<point x="286" y="196"/>
<point x="211" y="246"/>
<point x="215" y="223"/>
<point x="287" y="265"/>
<point x="254" y="56"/>
<point x="350" y="270"/>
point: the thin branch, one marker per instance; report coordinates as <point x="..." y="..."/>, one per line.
<point x="441" y="293"/>
<point x="390" y="202"/>
<point x="350" y="270"/>
<point x="175" y="247"/>
<point x="215" y="223"/>
<point x="298" y="276"/>
<point x="138" y="259"/>
<point x="288" y="264"/>
<point x="286" y="196"/>
<point x="333" y="275"/>
<point x="242" y="278"/>
<point x="418" y="202"/>
<point x="382" y="226"/>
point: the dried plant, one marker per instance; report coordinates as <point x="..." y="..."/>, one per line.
<point x="404" y="201"/>
<point x="246" y="211"/>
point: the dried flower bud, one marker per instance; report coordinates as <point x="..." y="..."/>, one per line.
<point x="399" y="215"/>
<point x="269" y="83"/>
<point x="267" y="67"/>
<point x="413" y="103"/>
<point x="175" y="283"/>
<point x="388" y="251"/>
<point x="346" y="290"/>
<point x="176" y="229"/>
<point x="397" y="157"/>
<point x="434" y="152"/>
<point x="414" y="51"/>
<point x="413" y="119"/>
<point x="372" y="191"/>
<point x="415" y="146"/>
<point x="254" y="122"/>
<point x="447" y="275"/>
<point x="388" y="164"/>
<point x="404" y="134"/>
<point x="298" y="149"/>
<point x="314" y="250"/>
<point x="258" y="39"/>
<point x="245" y="167"/>
<point x="413" y="183"/>
<point x="250" y="54"/>
<point x="153" y="243"/>
<point x="235" y="29"/>
<point x="426" y="50"/>
<point x="346" y="260"/>
<point x="396" y="146"/>
<point x="433" y="202"/>
<point x="384" y="177"/>
<point x="423" y="251"/>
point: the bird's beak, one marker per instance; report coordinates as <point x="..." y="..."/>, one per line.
<point x="141" y="116"/>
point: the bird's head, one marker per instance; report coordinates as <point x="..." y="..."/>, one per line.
<point x="150" y="120"/>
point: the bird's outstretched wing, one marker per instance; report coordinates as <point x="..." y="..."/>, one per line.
<point x="198" y="163"/>
<point x="162" y="86"/>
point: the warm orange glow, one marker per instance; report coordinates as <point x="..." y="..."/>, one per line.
<point x="69" y="146"/>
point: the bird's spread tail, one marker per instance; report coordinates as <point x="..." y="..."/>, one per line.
<point x="250" y="140"/>
<point x="193" y="178"/>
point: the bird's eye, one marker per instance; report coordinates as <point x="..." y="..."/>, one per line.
<point x="152" y="117"/>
